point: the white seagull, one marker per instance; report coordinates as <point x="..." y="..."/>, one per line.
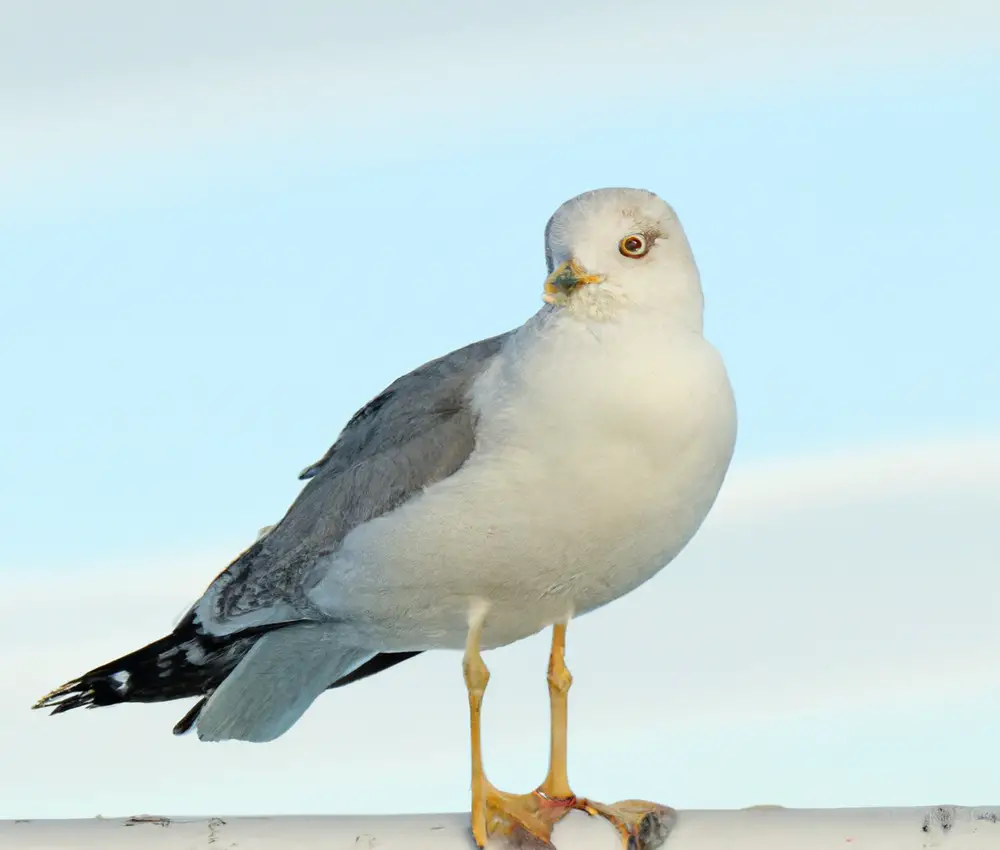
<point x="509" y="486"/>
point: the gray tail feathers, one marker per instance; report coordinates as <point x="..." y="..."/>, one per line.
<point x="376" y="664"/>
<point x="276" y="681"/>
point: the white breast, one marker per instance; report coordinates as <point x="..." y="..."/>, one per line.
<point x="599" y="453"/>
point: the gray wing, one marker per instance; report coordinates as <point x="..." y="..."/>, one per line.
<point x="419" y="430"/>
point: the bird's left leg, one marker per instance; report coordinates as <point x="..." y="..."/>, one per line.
<point x="639" y="823"/>
<point x="556" y="784"/>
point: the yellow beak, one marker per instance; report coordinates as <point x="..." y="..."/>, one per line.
<point x="564" y="279"/>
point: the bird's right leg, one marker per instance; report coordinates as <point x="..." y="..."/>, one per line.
<point x="476" y="677"/>
<point x="494" y="811"/>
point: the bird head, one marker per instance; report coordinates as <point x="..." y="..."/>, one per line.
<point x="613" y="249"/>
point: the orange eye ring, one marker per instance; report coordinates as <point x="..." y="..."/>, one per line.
<point x="634" y="246"/>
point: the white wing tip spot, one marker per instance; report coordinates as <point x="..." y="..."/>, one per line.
<point x="120" y="680"/>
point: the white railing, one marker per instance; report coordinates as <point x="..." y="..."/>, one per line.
<point x="758" y="828"/>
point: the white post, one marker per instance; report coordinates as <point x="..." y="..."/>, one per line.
<point x="758" y="828"/>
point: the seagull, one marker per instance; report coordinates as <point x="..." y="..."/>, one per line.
<point x="499" y="490"/>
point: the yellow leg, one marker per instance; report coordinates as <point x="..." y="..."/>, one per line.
<point x="477" y="675"/>
<point x="639" y="824"/>
<point x="494" y="812"/>
<point x="556" y="784"/>
<point x="530" y="818"/>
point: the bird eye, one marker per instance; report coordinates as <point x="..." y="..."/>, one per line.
<point x="634" y="246"/>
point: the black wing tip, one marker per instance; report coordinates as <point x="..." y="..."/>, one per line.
<point x="74" y="694"/>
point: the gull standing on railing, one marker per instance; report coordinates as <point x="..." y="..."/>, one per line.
<point x="506" y="487"/>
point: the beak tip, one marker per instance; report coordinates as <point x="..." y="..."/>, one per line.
<point x="565" y="278"/>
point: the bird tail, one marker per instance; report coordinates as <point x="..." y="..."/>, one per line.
<point x="190" y="663"/>
<point x="375" y="664"/>
<point x="276" y="681"/>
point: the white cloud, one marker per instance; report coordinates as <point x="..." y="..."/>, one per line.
<point x="111" y="76"/>
<point x="831" y="610"/>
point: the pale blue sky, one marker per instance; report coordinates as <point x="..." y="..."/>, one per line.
<point x="216" y="243"/>
<point x="188" y="331"/>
